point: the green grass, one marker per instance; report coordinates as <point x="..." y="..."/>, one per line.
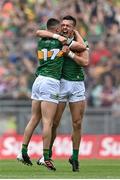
<point x="101" y="169"/>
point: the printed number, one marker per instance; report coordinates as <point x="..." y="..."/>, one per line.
<point x="54" y="54"/>
<point x="45" y="54"/>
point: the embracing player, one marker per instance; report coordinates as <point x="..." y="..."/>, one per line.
<point x="45" y="90"/>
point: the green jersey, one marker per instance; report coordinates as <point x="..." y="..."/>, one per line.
<point x="50" y="58"/>
<point x="71" y="70"/>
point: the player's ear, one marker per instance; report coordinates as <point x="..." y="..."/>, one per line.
<point x="57" y="30"/>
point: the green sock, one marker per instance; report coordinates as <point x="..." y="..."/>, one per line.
<point x="75" y="154"/>
<point x="24" y="148"/>
<point x="50" y="152"/>
<point x="46" y="154"/>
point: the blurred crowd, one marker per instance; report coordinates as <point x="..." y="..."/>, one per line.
<point x="97" y="20"/>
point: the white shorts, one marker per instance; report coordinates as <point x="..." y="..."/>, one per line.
<point x="71" y="91"/>
<point x="46" y="89"/>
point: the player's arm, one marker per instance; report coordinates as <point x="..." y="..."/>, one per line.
<point x="77" y="46"/>
<point x="78" y="37"/>
<point x="80" y="44"/>
<point x="82" y="58"/>
<point x="48" y="34"/>
<point x="73" y="44"/>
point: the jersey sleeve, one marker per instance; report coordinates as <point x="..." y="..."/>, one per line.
<point x="86" y="44"/>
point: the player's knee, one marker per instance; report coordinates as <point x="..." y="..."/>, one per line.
<point x="77" y="124"/>
<point x="35" y="118"/>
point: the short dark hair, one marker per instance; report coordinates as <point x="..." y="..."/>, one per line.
<point x="52" y="22"/>
<point x="71" y="18"/>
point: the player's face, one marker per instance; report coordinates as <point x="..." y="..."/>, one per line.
<point x="67" y="28"/>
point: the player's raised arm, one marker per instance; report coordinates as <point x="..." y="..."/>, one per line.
<point x="79" y="44"/>
<point x="78" y="37"/>
<point x="48" y="34"/>
<point x="74" y="45"/>
<point x="44" y="33"/>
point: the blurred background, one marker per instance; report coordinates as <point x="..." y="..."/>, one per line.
<point x="99" y="22"/>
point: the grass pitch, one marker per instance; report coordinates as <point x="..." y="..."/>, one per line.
<point x="97" y="169"/>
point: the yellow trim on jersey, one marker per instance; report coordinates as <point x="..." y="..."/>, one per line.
<point x="49" y="54"/>
<point x="60" y="54"/>
<point x="40" y="54"/>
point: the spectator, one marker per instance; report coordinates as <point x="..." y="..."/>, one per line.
<point x="103" y="94"/>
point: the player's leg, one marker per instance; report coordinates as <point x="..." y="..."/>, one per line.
<point x="48" y="110"/>
<point x="32" y="124"/>
<point x="57" y="118"/>
<point x="35" y="118"/>
<point x="56" y="121"/>
<point x="60" y="109"/>
<point x="77" y="107"/>
<point x="54" y="127"/>
<point x="77" y="112"/>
